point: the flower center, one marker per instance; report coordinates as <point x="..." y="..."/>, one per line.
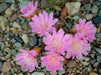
<point x="29" y="58"/>
<point x="44" y="26"/>
<point x="84" y="30"/>
<point x="56" y="43"/>
<point x="53" y="59"/>
<point x="76" y="45"/>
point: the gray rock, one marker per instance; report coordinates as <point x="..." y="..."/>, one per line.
<point x="33" y="41"/>
<point x="99" y="13"/>
<point x="85" y="63"/>
<point x="38" y="73"/>
<point x="13" y="40"/>
<point x="92" y="55"/>
<point x="18" y="39"/>
<point x="3" y="7"/>
<point x="1" y="45"/>
<point x="86" y="58"/>
<point x="58" y="13"/>
<point x="25" y="38"/>
<point x="61" y="72"/>
<point x="44" y="3"/>
<point x="97" y="19"/>
<point x="98" y="35"/>
<point x="73" y="7"/>
<point x="98" y="59"/>
<point x="76" y="17"/>
<point x="10" y="34"/>
<point x="12" y="71"/>
<point x="96" y="64"/>
<point x="98" y="50"/>
<point x="98" y="3"/>
<point x="10" y="1"/>
<point x="18" y="45"/>
<point x="16" y="25"/>
<point x="20" y="74"/>
<point x="23" y="3"/>
<point x="14" y="53"/>
<point x="24" y="26"/>
<point x="0" y="65"/>
<point x="2" y="25"/>
<point x="88" y="6"/>
<point x="92" y="61"/>
<point x="94" y="9"/>
<point x="88" y="16"/>
<point x="99" y="71"/>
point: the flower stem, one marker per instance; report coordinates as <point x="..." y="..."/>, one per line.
<point x="71" y="31"/>
<point x="38" y="50"/>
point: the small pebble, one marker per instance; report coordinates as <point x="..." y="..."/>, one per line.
<point x="93" y="73"/>
<point x="13" y="18"/>
<point x="98" y="50"/>
<point x="18" y="39"/>
<point x="89" y="16"/>
<point x="25" y="38"/>
<point x="85" y="63"/>
<point x="1" y="45"/>
<point x="8" y="12"/>
<point x="97" y="19"/>
<point x="94" y="9"/>
<point x="96" y="64"/>
<point x="98" y="59"/>
<point x="98" y="35"/>
<point x="86" y="58"/>
<point x="44" y="3"/>
<point x="12" y="71"/>
<point x="76" y="17"/>
<point x="0" y="65"/>
<point x="23" y="3"/>
<point x="73" y="7"/>
<point x="18" y="45"/>
<point x="99" y="13"/>
<point x="2" y="25"/>
<point x="20" y="74"/>
<point x="61" y="72"/>
<point x="10" y="1"/>
<point x="88" y="6"/>
<point x="71" y="63"/>
<point x="14" y="30"/>
<point x="33" y="41"/>
<point x="14" y="53"/>
<point x="16" y="25"/>
<point x="3" y="7"/>
<point x="53" y="73"/>
<point x="38" y="73"/>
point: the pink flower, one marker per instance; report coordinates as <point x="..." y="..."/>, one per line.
<point x="27" y="60"/>
<point x="29" y="10"/>
<point x="43" y="23"/>
<point x="52" y="61"/>
<point x="77" y="48"/>
<point x="85" y="30"/>
<point x="57" y="42"/>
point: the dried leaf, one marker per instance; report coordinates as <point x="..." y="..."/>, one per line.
<point x="63" y="13"/>
<point x="6" y="67"/>
<point x="13" y="18"/>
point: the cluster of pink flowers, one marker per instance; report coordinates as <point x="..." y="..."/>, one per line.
<point x="57" y="43"/>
